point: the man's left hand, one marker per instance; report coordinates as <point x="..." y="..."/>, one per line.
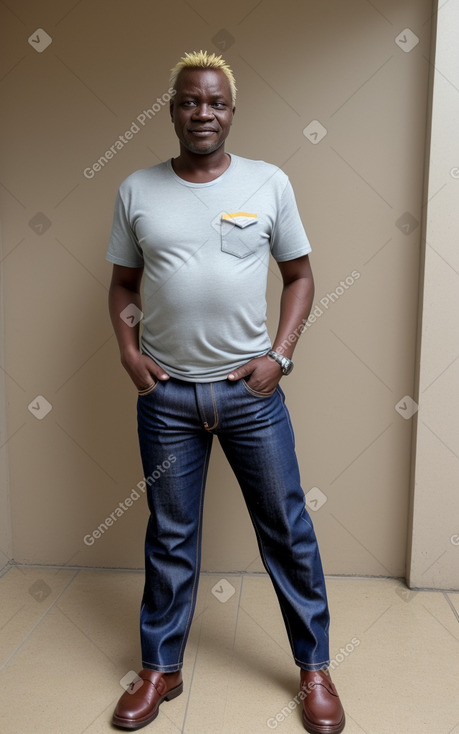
<point x="262" y="374"/>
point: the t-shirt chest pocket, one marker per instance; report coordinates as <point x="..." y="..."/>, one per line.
<point x="240" y="233"/>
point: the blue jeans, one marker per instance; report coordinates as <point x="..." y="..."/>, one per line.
<point x="176" y="423"/>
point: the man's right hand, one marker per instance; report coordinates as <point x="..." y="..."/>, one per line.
<point x="125" y="291"/>
<point x="142" y="370"/>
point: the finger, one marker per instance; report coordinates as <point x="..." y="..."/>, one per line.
<point x="161" y="375"/>
<point x="243" y="371"/>
<point x="156" y="371"/>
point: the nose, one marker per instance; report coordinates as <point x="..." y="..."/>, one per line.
<point x="203" y="112"/>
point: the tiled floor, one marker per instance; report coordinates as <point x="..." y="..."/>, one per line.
<point x="69" y="636"/>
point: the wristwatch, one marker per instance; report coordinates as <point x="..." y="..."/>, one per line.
<point x="285" y="363"/>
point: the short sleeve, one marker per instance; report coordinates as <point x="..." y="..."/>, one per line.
<point x="289" y="239"/>
<point x="123" y="247"/>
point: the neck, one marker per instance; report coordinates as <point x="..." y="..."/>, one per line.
<point x="201" y="168"/>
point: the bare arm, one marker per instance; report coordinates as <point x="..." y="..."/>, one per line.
<point x="296" y="302"/>
<point x="124" y="290"/>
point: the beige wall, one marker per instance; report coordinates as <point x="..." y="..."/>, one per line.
<point x="434" y="540"/>
<point x="6" y="549"/>
<point x="357" y="189"/>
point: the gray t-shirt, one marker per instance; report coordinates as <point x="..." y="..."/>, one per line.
<point x="205" y="249"/>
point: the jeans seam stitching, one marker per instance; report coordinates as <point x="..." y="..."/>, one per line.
<point x="255" y="393"/>
<point x="272" y="576"/>
<point x="146" y="391"/>
<point x="196" y="572"/>
<point x="214" y="403"/>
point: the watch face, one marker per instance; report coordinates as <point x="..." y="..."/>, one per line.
<point x="287" y="368"/>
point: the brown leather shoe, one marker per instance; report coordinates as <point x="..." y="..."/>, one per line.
<point x="139" y="705"/>
<point x="322" y="709"/>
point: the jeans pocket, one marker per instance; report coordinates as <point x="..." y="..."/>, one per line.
<point x="256" y="393"/>
<point x="148" y="390"/>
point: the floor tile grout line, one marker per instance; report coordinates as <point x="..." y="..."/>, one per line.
<point x="249" y="574"/>
<point x="16" y="611"/>
<point x="198" y="643"/>
<point x="357" y="540"/>
<point x="16" y="650"/>
<point x="191" y="678"/>
<point x="107" y="709"/>
<point x="377" y="619"/>
<point x="6" y="568"/>
<point x="231" y="660"/>
<point x="450" y="603"/>
<point x="348" y="716"/>
<point x="288" y="653"/>
<point x="193" y="670"/>
<point x="64" y="614"/>
<point x="441" y="623"/>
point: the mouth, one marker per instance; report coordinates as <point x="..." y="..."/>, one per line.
<point x="203" y="132"/>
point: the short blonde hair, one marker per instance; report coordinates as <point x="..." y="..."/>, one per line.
<point x="203" y="60"/>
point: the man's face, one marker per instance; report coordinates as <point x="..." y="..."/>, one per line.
<point x="202" y="110"/>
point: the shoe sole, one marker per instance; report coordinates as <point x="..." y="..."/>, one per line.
<point x="318" y="729"/>
<point x="139" y="723"/>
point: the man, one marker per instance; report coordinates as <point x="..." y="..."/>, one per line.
<point x="201" y="228"/>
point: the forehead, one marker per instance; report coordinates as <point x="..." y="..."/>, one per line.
<point x="203" y="81"/>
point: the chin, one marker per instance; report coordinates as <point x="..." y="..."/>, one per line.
<point x="198" y="150"/>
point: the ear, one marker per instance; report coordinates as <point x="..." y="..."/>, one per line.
<point x="171" y="109"/>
